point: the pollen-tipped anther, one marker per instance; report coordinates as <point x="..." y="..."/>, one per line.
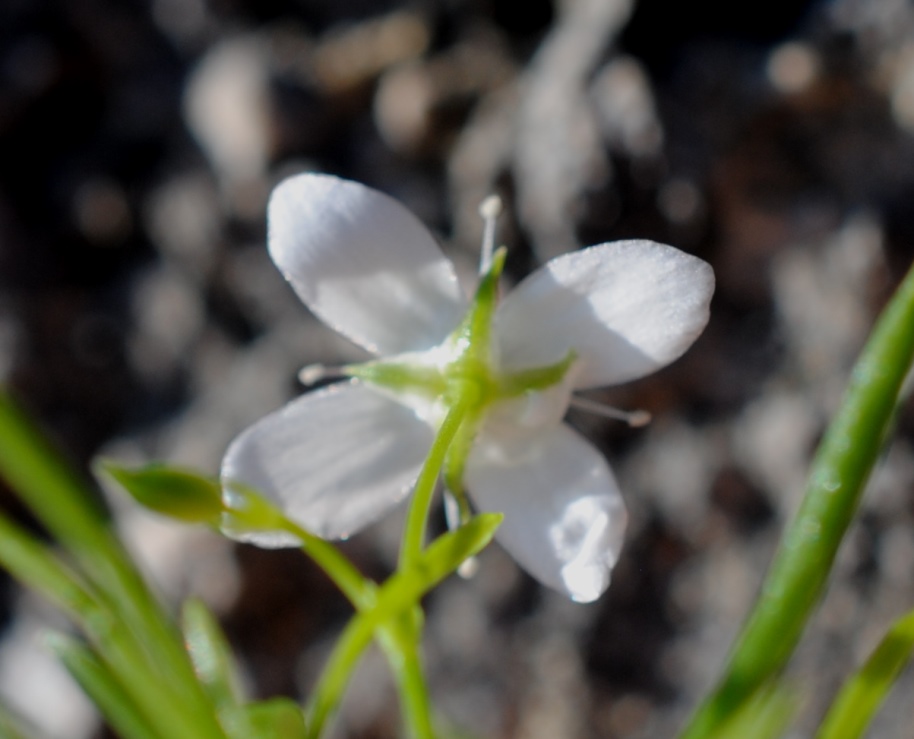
<point x="635" y="419"/>
<point x="314" y="373"/>
<point x="489" y="209"/>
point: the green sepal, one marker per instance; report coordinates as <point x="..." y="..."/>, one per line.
<point x="863" y="693"/>
<point x="173" y="492"/>
<point x="400" y="377"/>
<point x="475" y="332"/>
<point x="467" y="352"/>
<point x="537" y="378"/>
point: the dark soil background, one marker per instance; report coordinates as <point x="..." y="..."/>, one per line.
<point x="141" y="318"/>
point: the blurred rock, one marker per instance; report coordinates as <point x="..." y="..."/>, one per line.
<point x="226" y="107"/>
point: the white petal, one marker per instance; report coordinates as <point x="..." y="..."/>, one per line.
<point x="363" y="263"/>
<point x="564" y="517"/>
<point x="333" y="460"/>
<point x="627" y="308"/>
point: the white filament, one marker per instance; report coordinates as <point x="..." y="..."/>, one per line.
<point x="489" y="209"/>
<point x="316" y="372"/>
<point x="635" y="419"/>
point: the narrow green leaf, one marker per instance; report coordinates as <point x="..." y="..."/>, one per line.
<point x="807" y="551"/>
<point x="210" y="653"/>
<point x="102" y="687"/>
<point x="34" y="564"/>
<point x="277" y="718"/>
<point x="148" y="645"/>
<point x="863" y="693"/>
<point x="150" y="690"/>
<point x="57" y="495"/>
<point x="766" y="715"/>
<point x="176" y="493"/>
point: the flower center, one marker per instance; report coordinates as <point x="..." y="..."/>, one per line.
<point x="464" y="364"/>
<point x="464" y="369"/>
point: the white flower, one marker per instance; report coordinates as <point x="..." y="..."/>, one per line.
<point x="337" y="459"/>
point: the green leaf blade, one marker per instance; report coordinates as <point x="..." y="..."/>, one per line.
<point x="765" y="715"/>
<point x="102" y="590"/>
<point x="103" y="688"/>
<point x="839" y="472"/>
<point x="212" y="658"/>
<point x="866" y="690"/>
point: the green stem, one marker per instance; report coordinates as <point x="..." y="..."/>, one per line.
<point x="804" y="559"/>
<point x="329" y="691"/>
<point x="398" y="596"/>
<point x="414" y="694"/>
<point x="400" y="640"/>
<point x="417" y="517"/>
<point x="403" y="591"/>
<point x="402" y="648"/>
<point x="359" y="590"/>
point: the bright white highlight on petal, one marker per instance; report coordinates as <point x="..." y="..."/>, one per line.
<point x="363" y="263"/>
<point x="564" y="517"/>
<point x="627" y="308"/>
<point x="334" y="460"/>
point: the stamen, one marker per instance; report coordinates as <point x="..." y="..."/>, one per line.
<point x="316" y="372"/>
<point x="490" y="209"/>
<point x="635" y="419"/>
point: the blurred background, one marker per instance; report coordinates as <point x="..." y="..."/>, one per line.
<point x="141" y="318"/>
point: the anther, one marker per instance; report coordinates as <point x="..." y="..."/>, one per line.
<point x="316" y="372"/>
<point x="635" y="419"/>
<point x="489" y="209"/>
